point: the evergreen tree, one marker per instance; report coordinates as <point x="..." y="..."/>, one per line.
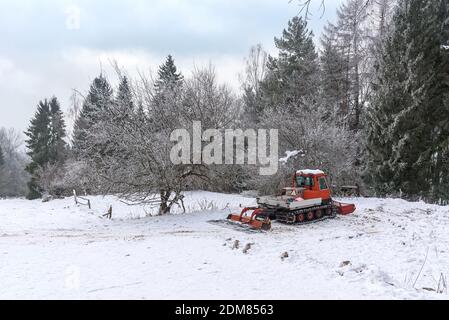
<point x="58" y="146"/>
<point x="3" y="178"/>
<point x="140" y="113"/>
<point x="292" y="78"/>
<point x="124" y="101"/>
<point x="167" y="87"/>
<point x="437" y="79"/>
<point x="253" y="105"/>
<point x="100" y="96"/>
<point x="38" y="144"/>
<point x="124" y="96"/>
<point x="45" y="142"/>
<point x="2" y="157"/>
<point x="168" y="76"/>
<point x="409" y="117"/>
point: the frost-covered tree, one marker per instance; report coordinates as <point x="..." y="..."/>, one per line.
<point x="2" y="157"/>
<point x="348" y="49"/>
<point x="58" y="145"/>
<point x="2" y="173"/>
<point x="308" y="100"/>
<point x="135" y="161"/>
<point x="381" y="14"/>
<point x="100" y="97"/>
<point x="251" y="79"/>
<point x="124" y="101"/>
<point x="13" y="178"/>
<point x="124" y="96"/>
<point x="216" y="107"/>
<point x="165" y="94"/>
<point x="316" y="142"/>
<point x="168" y="76"/>
<point x="408" y="120"/>
<point x="389" y="97"/>
<point x="207" y="101"/>
<point x="348" y="39"/>
<point x="292" y="77"/>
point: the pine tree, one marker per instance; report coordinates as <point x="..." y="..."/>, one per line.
<point x="168" y="76"/>
<point x="3" y="179"/>
<point x="435" y="66"/>
<point x="389" y="98"/>
<point x="45" y="142"/>
<point x="100" y="96"/>
<point x="140" y="113"/>
<point x="124" y="100"/>
<point x="292" y="78"/>
<point x="407" y="136"/>
<point x="58" y="146"/>
<point x="38" y="144"/>
<point x="167" y="87"/>
<point x="2" y="157"/>
<point x="124" y="95"/>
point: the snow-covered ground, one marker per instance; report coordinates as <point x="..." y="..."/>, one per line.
<point x="57" y="250"/>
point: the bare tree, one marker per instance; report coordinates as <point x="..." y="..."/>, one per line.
<point x="251" y="79"/>
<point x="317" y="143"/>
<point x="51" y="179"/>
<point x="203" y="99"/>
<point x="350" y="38"/>
<point x="13" y="177"/>
<point x="255" y="68"/>
<point x="130" y="155"/>
<point x="305" y="5"/>
<point x="382" y="12"/>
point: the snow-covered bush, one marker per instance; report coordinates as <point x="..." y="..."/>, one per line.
<point x="51" y="180"/>
<point x="323" y="144"/>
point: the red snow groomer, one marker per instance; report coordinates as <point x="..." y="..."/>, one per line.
<point x="308" y="200"/>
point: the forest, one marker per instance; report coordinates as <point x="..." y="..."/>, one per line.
<point x="367" y="101"/>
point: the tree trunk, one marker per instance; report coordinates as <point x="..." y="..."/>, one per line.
<point x="164" y="207"/>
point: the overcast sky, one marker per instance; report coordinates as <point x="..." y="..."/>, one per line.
<point x="50" y="47"/>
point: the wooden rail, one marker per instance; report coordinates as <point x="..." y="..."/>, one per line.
<point x="77" y="198"/>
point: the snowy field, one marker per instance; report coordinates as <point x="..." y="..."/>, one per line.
<point x="389" y="249"/>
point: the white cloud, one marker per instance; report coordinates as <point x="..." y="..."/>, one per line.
<point x="18" y="87"/>
<point x="92" y="61"/>
<point x="14" y="78"/>
<point x="42" y="57"/>
<point x="75" y="68"/>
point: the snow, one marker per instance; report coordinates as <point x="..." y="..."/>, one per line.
<point x="309" y="171"/>
<point x="290" y="154"/>
<point x="58" y="250"/>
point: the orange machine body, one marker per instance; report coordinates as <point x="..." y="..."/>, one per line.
<point x="314" y="183"/>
